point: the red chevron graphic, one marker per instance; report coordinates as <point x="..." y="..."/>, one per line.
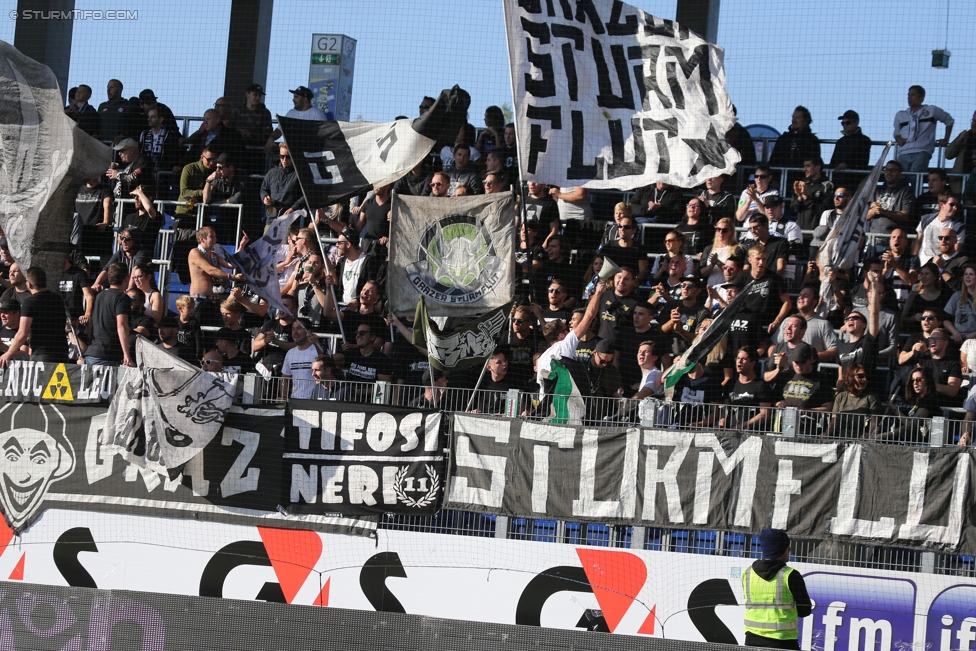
<point x="616" y="579"/>
<point x="293" y="554"/>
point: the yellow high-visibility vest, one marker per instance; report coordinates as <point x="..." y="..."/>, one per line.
<point x="770" y="608"/>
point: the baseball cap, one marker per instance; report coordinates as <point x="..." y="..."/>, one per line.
<point x="303" y="91"/>
<point x="224" y="159"/>
<point x="850" y="115"/>
<point x="803" y="353"/>
<point x="10" y="305"/>
<point x="692" y="278"/>
<point x="125" y="143"/>
<point x="772" y="201"/>
<point x="226" y="334"/>
<point x="255" y="88"/>
<point x="604" y="347"/>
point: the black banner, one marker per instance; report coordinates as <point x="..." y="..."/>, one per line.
<point x="51" y="457"/>
<point x="58" y="383"/>
<point x="363" y="459"/>
<point x="815" y="488"/>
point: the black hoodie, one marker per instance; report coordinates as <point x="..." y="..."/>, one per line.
<point x="767" y="569"/>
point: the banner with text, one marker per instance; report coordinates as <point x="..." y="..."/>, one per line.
<point x="609" y="97"/>
<point x="815" y="488"/>
<point x="59" y="383"/>
<point x="53" y="457"/>
<point x="363" y="459"/>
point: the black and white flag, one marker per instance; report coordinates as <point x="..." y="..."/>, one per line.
<point x="336" y="160"/>
<point x="840" y="247"/>
<point x="44" y="158"/>
<point x="607" y="96"/>
<point x="466" y="347"/>
<point x="457" y="253"/>
<point x="258" y="261"/>
<point x="165" y="410"/>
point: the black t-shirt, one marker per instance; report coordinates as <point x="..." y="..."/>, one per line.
<point x="806" y="392"/>
<point x="630" y="256"/>
<point x="144" y="228"/>
<point x="520" y="352"/>
<point x="741" y="333"/>
<point x="762" y="298"/>
<point x="942" y="370"/>
<point x="584" y="349"/>
<point x="105" y="335"/>
<point x="182" y="352"/>
<point x="377" y="219"/>
<point x="273" y="355"/>
<point x="47" y="340"/>
<point x="544" y="210"/>
<point x="690" y="318"/>
<point x="745" y="397"/>
<point x="89" y="204"/>
<point x="190" y="337"/>
<point x="776" y="248"/>
<point x="241" y="363"/>
<point x="864" y="352"/>
<point x="627" y="344"/>
<point x="367" y="368"/>
<point x="690" y="393"/>
<point x="616" y="312"/>
<point x="70" y="287"/>
<point x="550" y="314"/>
<point x="696" y="236"/>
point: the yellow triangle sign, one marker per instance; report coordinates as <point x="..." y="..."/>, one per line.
<point x="58" y="388"/>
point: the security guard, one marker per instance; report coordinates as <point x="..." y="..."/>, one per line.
<point x="775" y="595"/>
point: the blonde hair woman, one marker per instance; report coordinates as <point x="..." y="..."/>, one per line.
<point x="724" y="246"/>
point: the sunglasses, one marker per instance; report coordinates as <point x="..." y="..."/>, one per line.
<point x="860" y="376"/>
<point x="207" y="158"/>
<point x="928" y="317"/>
<point x="854" y="318"/>
<point x="211" y="362"/>
<point x="722" y="230"/>
<point x="284" y="157"/>
<point x="490" y="182"/>
<point x="839" y="195"/>
<point x="556" y="290"/>
<point x="627" y="227"/>
<point x="125" y="238"/>
<point x="943" y="238"/>
<point x="518" y="321"/>
<point x="763" y="176"/>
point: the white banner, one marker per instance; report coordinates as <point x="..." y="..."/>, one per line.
<point x="608" y="96"/>
<point x="679" y="596"/>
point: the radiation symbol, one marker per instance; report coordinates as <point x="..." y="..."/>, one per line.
<point x="58" y="388"/>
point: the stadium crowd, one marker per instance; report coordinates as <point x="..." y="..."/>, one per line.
<point x="894" y="333"/>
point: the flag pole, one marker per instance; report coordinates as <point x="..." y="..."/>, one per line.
<point x="331" y="270"/>
<point x="484" y="368"/>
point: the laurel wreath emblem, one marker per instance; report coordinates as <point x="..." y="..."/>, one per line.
<point x="427" y="499"/>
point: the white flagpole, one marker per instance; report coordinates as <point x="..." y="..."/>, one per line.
<point x="481" y="377"/>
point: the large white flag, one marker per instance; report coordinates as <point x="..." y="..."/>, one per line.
<point x="44" y="158"/>
<point x="607" y="96"/>
<point x="458" y="253"/>
<point x="165" y="411"/>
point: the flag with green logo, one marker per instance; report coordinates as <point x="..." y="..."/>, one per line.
<point x="457" y="253"/>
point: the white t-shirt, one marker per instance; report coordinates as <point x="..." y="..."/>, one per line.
<point x="564" y="348"/>
<point x="311" y="114"/>
<point x="350" y="279"/>
<point x="652" y="380"/>
<point x="930" y="237"/>
<point x="298" y="366"/>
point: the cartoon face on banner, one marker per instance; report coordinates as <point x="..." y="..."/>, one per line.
<point x="36" y="454"/>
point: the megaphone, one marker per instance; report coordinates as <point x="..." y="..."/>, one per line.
<point x="607" y="271"/>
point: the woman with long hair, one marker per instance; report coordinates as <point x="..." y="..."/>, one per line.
<point x="724" y="246"/>
<point x="962" y="308"/>
<point x="930" y="292"/>
<point x="145" y="281"/>
<point x="918" y="402"/>
<point x="854" y="398"/>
